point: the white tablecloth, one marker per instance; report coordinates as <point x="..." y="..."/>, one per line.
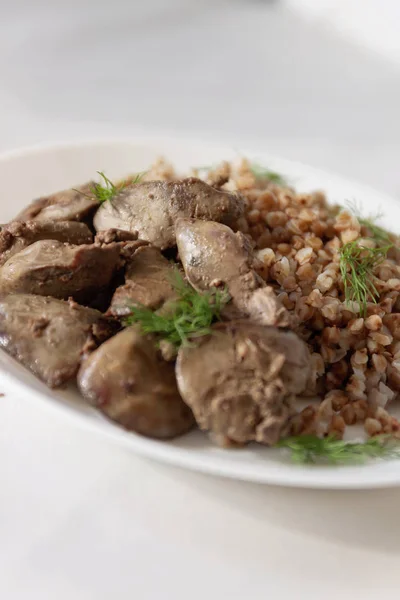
<point x="81" y="519"/>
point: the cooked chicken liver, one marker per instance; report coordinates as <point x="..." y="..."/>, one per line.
<point x="240" y="381"/>
<point x="213" y="255"/>
<point x="129" y="382"/>
<point x="18" y="235"/>
<point x="115" y="235"/>
<point x="48" y="336"/>
<point x="151" y="208"/>
<point x="51" y="268"/>
<point x="68" y="205"/>
<point x="148" y="281"/>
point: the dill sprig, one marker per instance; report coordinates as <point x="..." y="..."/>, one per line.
<point x="184" y="319"/>
<point x="263" y="173"/>
<point x="357" y="264"/>
<point x="134" y="179"/>
<point x="106" y="190"/>
<point x="310" y="449"/>
<point x="375" y="232"/>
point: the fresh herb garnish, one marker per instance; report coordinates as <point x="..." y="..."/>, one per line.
<point x="357" y="265"/>
<point x="263" y="173"/>
<point x="134" y="179"/>
<point x="107" y="190"/>
<point x="358" y="261"/>
<point x="184" y="319"/>
<point x="375" y="232"/>
<point x="310" y="449"/>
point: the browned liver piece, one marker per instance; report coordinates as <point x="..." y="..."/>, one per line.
<point x="213" y="255"/>
<point x="18" y="235"/>
<point x="152" y="208"/>
<point x="148" y="282"/>
<point x="130" y="383"/>
<point x="75" y="204"/>
<point x="240" y="381"/>
<point x="49" y="336"/>
<point x="51" y="268"/>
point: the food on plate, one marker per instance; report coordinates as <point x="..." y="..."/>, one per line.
<point x="213" y="255"/>
<point x="18" y="235"/>
<point x="183" y="319"/>
<point x="118" y="235"/>
<point x="148" y="282"/>
<point x="52" y="268"/>
<point x="50" y="336"/>
<point x="231" y="301"/>
<point x="75" y="204"/>
<point x="127" y="379"/>
<point x="151" y="208"/>
<point x="310" y="449"/>
<point x="241" y="380"/>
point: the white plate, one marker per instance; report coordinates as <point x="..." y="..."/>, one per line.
<point x="29" y="173"/>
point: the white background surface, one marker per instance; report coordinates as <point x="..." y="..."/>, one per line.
<point x="84" y="520"/>
<point x="368" y="22"/>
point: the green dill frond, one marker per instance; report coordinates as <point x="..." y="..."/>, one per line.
<point x="374" y="231"/>
<point x="184" y="319"/>
<point x="104" y="191"/>
<point x="309" y="449"/>
<point x="107" y="190"/>
<point x="135" y="179"/>
<point x="263" y="173"/>
<point x="357" y="264"/>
